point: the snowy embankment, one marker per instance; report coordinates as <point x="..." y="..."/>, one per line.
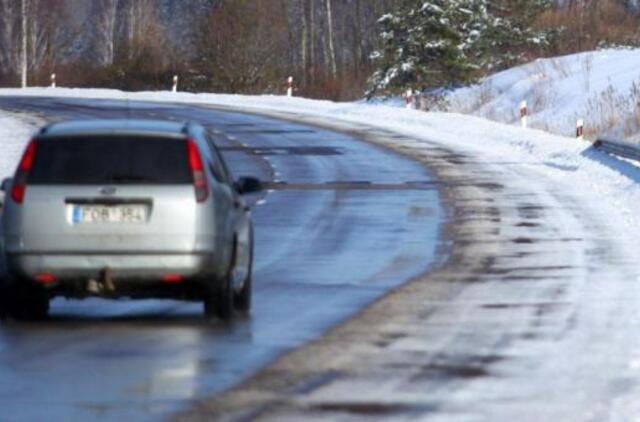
<point x="601" y="87"/>
<point x="601" y="179"/>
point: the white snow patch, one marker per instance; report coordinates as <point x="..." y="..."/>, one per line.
<point x="602" y="87"/>
<point x="15" y="132"/>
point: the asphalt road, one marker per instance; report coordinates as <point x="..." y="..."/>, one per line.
<point x="344" y="223"/>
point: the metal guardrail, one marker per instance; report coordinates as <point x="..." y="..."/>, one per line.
<point x="622" y="149"/>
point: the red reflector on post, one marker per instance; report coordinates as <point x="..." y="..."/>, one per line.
<point x="172" y="278"/>
<point x="45" y="278"/>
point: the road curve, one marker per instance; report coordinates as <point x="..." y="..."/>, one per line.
<point x="533" y="316"/>
<point x="344" y="223"/>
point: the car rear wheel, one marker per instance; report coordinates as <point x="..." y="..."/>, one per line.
<point x="242" y="299"/>
<point x="25" y="301"/>
<point x="218" y="300"/>
<point x="5" y="301"/>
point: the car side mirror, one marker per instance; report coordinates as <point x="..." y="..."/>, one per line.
<point x="6" y="185"/>
<point x="246" y="185"/>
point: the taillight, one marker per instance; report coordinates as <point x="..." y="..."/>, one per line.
<point x="19" y="188"/>
<point x="45" y="278"/>
<point x="172" y="279"/>
<point x="197" y="170"/>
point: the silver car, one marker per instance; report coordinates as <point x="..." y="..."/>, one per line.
<point x="125" y="208"/>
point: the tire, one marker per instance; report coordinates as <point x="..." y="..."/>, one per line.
<point x="27" y="302"/>
<point x="242" y="299"/>
<point x="218" y="301"/>
<point x="5" y="301"/>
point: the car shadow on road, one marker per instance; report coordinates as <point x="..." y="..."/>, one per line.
<point x="148" y="320"/>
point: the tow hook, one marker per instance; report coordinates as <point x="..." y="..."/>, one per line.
<point x="93" y="287"/>
<point x="104" y="284"/>
<point x="107" y="279"/>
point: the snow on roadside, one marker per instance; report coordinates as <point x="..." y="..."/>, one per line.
<point x="609" y="182"/>
<point x="586" y="171"/>
<point x="602" y="87"/>
<point x="15" y="131"/>
<point x="601" y="186"/>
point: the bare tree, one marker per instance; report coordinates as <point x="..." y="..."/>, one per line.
<point x="23" y="51"/>
<point x="332" y="49"/>
<point x="312" y="31"/>
<point x="49" y="36"/>
<point x="8" y="36"/>
<point x="104" y="17"/>
<point x="141" y="28"/>
<point x="304" y="38"/>
<point x="244" y="47"/>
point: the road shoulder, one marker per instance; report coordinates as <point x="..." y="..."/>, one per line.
<point x="358" y="368"/>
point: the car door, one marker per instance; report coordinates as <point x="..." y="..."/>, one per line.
<point x="224" y="184"/>
<point x="242" y="226"/>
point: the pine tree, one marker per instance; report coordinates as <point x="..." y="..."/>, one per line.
<point x="427" y="45"/>
<point x="512" y="32"/>
<point x="443" y="43"/>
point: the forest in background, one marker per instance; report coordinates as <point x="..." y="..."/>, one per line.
<point x="247" y="46"/>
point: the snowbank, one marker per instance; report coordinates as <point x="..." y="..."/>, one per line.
<point x="611" y="182"/>
<point x="603" y="87"/>
<point x="15" y="131"/>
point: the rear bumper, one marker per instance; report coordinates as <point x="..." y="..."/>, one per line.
<point x="126" y="267"/>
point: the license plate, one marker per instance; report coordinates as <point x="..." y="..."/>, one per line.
<point x="91" y="214"/>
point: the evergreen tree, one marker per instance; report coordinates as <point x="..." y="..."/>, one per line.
<point x="421" y="45"/>
<point x="512" y="33"/>
<point x="441" y="43"/>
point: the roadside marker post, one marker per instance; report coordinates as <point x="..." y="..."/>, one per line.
<point x="524" y="113"/>
<point x="290" y="86"/>
<point x="409" y="98"/>
<point x="175" y="84"/>
<point x="53" y="80"/>
<point x="580" y="130"/>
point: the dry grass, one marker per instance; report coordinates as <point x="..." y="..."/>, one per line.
<point x="560" y="68"/>
<point x="591" y="24"/>
<point x="587" y="69"/>
<point x="478" y="98"/>
<point x="544" y="95"/>
<point x="613" y="113"/>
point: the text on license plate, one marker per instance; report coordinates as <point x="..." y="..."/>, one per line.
<point x="130" y="213"/>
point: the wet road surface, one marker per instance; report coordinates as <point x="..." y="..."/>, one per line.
<point x="343" y="223"/>
<point x="532" y="318"/>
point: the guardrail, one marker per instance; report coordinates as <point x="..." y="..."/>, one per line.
<point x="622" y="149"/>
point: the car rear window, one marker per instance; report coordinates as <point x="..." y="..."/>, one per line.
<point x="110" y="160"/>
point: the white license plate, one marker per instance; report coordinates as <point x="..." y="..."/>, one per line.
<point x="90" y="214"/>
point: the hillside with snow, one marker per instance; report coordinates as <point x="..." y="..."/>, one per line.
<point x="601" y="87"/>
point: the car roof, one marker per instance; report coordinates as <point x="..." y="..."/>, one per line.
<point x="138" y="127"/>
